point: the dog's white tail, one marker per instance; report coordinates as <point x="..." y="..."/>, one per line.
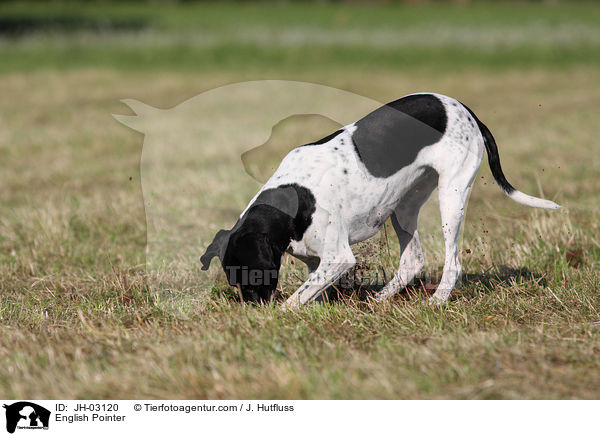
<point x="494" y="160"/>
<point x="530" y="201"/>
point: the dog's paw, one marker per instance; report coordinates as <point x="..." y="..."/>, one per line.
<point x="288" y="306"/>
<point x="381" y="296"/>
<point x="435" y="301"/>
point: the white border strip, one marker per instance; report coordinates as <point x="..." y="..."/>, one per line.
<point x="314" y="417"/>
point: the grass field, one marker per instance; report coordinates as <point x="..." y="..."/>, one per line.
<point x="79" y="315"/>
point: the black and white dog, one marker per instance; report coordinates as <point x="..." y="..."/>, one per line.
<point x="340" y="190"/>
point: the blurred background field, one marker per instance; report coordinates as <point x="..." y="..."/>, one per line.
<point x="290" y="36"/>
<point x="75" y="302"/>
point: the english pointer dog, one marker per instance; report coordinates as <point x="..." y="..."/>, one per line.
<point x="335" y="192"/>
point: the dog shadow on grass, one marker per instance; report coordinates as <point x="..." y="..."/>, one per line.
<point x="424" y="287"/>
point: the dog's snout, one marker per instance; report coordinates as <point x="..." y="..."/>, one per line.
<point x="251" y="296"/>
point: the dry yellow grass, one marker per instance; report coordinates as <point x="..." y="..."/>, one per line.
<point x="79" y="316"/>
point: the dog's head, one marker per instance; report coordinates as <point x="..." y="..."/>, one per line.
<point x="250" y="261"/>
<point x="252" y="250"/>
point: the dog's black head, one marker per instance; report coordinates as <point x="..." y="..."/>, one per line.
<point x="252" y="263"/>
<point x="251" y="251"/>
<point x="250" y="260"/>
<point x="251" y="256"/>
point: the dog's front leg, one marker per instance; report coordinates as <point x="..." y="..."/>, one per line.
<point x="336" y="259"/>
<point x="327" y="272"/>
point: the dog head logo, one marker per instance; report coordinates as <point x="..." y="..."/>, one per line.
<point x="221" y="144"/>
<point x="204" y="158"/>
<point x="26" y="415"/>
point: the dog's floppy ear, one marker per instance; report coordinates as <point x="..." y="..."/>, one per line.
<point x="216" y="248"/>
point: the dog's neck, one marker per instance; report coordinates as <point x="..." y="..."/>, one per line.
<point x="283" y="213"/>
<point x="277" y="225"/>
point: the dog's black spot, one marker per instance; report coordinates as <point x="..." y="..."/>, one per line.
<point x="345" y="171"/>
<point x="325" y="139"/>
<point x="335" y="148"/>
<point x="389" y="138"/>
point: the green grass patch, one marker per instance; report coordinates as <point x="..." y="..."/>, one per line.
<point x="208" y="36"/>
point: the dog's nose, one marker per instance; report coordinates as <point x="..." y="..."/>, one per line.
<point x="251" y="296"/>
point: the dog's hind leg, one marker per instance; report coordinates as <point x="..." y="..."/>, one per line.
<point x="404" y="219"/>
<point x="453" y="195"/>
<point x="411" y="257"/>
